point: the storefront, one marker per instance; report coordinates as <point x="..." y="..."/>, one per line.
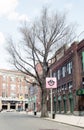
<point x="80" y="93"/>
<point x="71" y="102"/>
<point x="32" y="103"/>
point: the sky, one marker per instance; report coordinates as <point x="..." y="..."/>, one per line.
<point x="13" y="12"/>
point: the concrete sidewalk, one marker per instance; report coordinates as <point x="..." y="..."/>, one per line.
<point x="66" y="119"/>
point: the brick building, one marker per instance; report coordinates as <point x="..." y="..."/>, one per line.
<point x="34" y="97"/>
<point x="13" y="90"/>
<point x="68" y="67"/>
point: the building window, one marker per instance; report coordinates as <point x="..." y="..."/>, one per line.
<point x="26" y="88"/>
<point x="12" y="79"/>
<point x="3" y="94"/>
<point x="58" y="89"/>
<point x="63" y="71"/>
<point x="65" y="87"/>
<point x="13" y="86"/>
<point x="69" y="85"/>
<point x="62" y="87"/>
<point x="4" y="77"/>
<point x="26" y="96"/>
<point x="59" y="74"/>
<point x="83" y="81"/>
<point x="69" y="68"/>
<point x="13" y="95"/>
<point x="54" y="74"/>
<point x="31" y="90"/>
<point x="4" y="86"/>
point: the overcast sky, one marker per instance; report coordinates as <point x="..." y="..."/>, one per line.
<point x="12" y="12"/>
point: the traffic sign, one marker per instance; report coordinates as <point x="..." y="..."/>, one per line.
<point x="51" y="82"/>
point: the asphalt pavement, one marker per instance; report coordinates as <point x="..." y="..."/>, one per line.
<point x="73" y="120"/>
<point x="28" y="121"/>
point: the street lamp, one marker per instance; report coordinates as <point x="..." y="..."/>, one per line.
<point x="34" y="96"/>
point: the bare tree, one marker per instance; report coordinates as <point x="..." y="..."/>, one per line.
<point x="39" y="43"/>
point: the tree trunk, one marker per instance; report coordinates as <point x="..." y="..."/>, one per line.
<point x="44" y="110"/>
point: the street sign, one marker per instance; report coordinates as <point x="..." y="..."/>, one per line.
<point x="51" y="82"/>
<point x="21" y="97"/>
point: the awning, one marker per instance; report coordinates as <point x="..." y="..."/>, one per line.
<point x="59" y="98"/>
<point x="70" y="96"/>
<point x="54" y="99"/>
<point x="64" y="97"/>
<point x="80" y="92"/>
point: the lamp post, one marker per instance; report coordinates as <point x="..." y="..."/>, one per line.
<point x="34" y="97"/>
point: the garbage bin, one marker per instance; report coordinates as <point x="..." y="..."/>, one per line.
<point x="34" y="112"/>
<point x="53" y="116"/>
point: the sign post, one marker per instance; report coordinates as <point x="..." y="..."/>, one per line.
<point x="51" y="83"/>
<point x="51" y="96"/>
<point x="51" y="105"/>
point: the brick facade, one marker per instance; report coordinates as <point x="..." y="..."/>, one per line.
<point x="67" y="68"/>
<point x="13" y="90"/>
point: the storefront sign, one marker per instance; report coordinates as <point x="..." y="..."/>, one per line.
<point x="80" y="92"/>
<point x="83" y="60"/>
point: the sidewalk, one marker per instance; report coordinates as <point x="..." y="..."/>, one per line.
<point x="66" y="119"/>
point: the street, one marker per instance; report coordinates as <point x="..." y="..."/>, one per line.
<point x="22" y="121"/>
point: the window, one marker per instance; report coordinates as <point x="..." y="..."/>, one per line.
<point x="58" y="89"/>
<point x="83" y="81"/>
<point x="62" y="87"/>
<point x="4" y="86"/>
<point x="12" y="78"/>
<point x="3" y="94"/>
<point x="69" y="68"/>
<point x="4" y="77"/>
<point x="13" y="87"/>
<point x="54" y="74"/>
<point x="13" y="95"/>
<point x="63" y="71"/>
<point x="26" y="88"/>
<point x="65" y="87"/>
<point x="31" y="90"/>
<point x="26" y="96"/>
<point x="69" y="84"/>
<point x="58" y="74"/>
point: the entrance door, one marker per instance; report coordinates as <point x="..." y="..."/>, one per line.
<point x="54" y="107"/>
<point x="65" y="106"/>
<point x="26" y="106"/>
<point x="4" y="107"/>
<point x="59" y="105"/>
